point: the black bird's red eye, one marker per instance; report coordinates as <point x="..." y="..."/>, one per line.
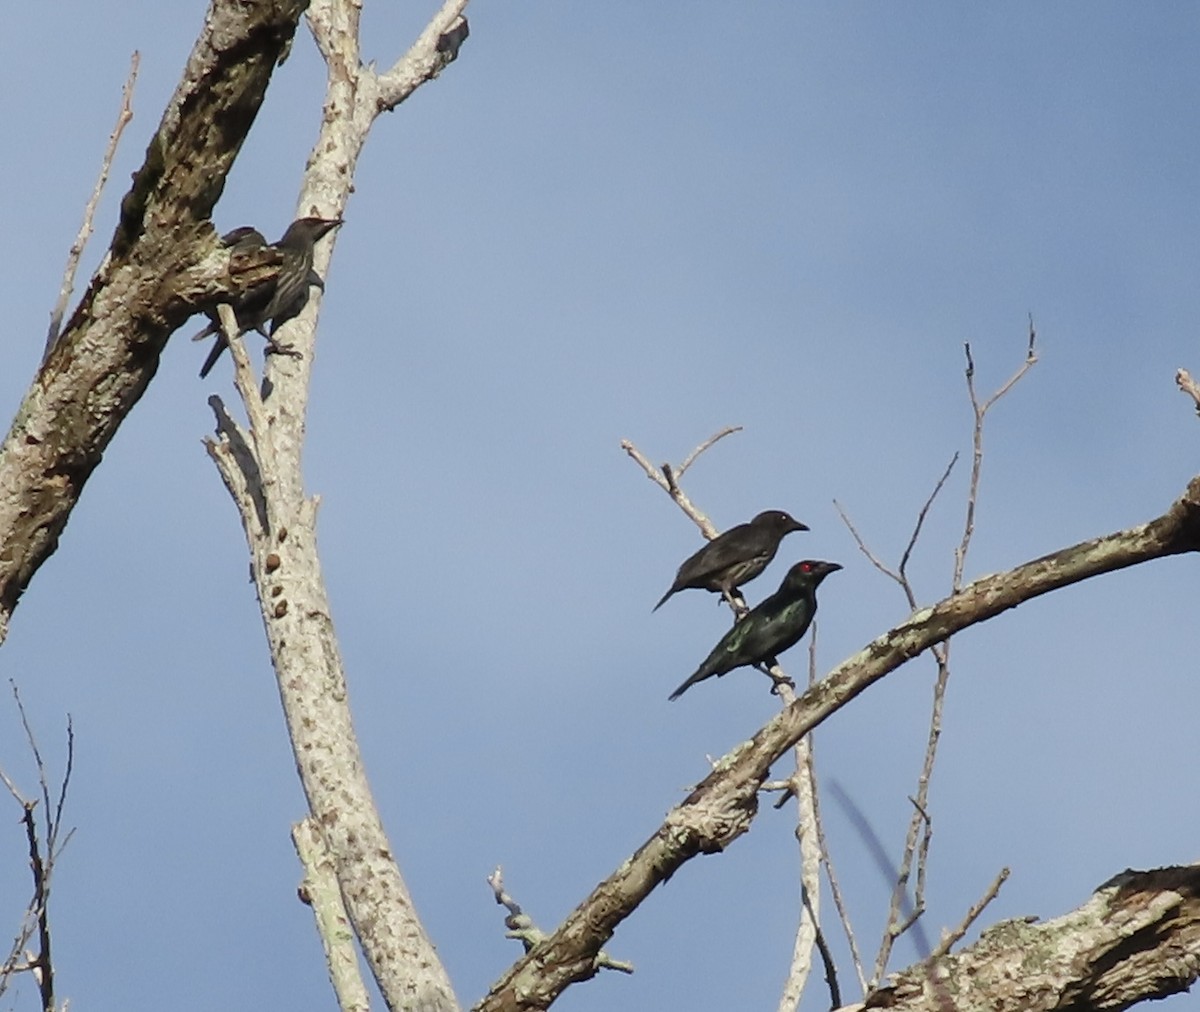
<point x="805" y="567"/>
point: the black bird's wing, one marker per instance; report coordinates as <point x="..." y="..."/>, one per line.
<point x="773" y="627"/>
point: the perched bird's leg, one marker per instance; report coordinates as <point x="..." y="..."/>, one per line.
<point x="275" y="348"/>
<point x="771" y="667"/>
<point x="737" y="603"/>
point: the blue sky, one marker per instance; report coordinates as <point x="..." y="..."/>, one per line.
<point x="646" y="222"/>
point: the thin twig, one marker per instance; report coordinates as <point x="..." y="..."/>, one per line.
<point x="652" y="472"/>
<point x="29" y="736"/>
<point x="926" y="821"/>
<point x="89" y="212"/>
<point x="835" y="992"/>
<point x="62" y="794"/>
<point x="912" y="541"/>
<point x="521" y="927"/>
<point x="917" y="907"/>
<point x="867" y="832"/>
<point x="874" y="559"/>
<point x="247" y="388"/>
<point x="980" y="410"/>
<point x="667" y="478"/>
<point x="42" y="858"/>
<point x="729" y="430"/>
<point x="951" y="937"/>
<point x="835" y="889"/>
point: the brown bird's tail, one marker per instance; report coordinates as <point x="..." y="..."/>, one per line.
<point x="663" y="600"/>
<point x="214" y="354"/>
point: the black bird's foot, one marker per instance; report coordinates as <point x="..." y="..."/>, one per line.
<point x="778" y="678"/>
<point x="275" y="348"/>
<point x="778" y="681"/>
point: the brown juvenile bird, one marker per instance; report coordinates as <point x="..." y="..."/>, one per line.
<point x="280" y="298"/>
<point x="735" y="557"/>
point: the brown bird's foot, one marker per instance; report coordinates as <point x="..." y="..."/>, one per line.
<point x="737" y="603"/>
<point x="275" y="348"/>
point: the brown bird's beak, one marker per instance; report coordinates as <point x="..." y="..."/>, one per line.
<point x="328" y="226"/>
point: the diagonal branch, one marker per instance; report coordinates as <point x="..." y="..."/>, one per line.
<point x="162" y="266"/>
<point x="723" y="806"/>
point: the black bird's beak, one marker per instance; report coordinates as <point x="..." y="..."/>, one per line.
<point x="798" y="526"/>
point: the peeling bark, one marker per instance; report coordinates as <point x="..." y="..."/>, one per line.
<point x="1137" y="938"/>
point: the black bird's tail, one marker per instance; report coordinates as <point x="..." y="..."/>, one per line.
<point x="699" y="676"/>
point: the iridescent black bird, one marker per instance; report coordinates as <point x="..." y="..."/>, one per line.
<point x="768" y="630"/>
<point x="735" y="557"/>
<point x="282" y="297"/>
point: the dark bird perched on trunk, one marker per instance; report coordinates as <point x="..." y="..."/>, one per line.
<point x="735" y="557"/>
<point x="280" y="298"/>
<point x="768" y="630"/>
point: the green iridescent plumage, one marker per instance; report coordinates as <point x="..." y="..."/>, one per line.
<point x="768" y="630"/>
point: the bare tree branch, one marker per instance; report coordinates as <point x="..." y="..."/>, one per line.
<point x="163" y="264"/>
<point x="320" y="891"/>
<point x="261" y="467"/>
<point x="802" y="786"/>
<point x="808" y="930"/>
<point x="690" y="459"/>
<point x="668" y="478"/>
<point x="723" y="806"/>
